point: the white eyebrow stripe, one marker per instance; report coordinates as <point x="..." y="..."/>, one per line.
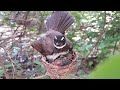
<point x="55" y="37"/>
<point x="62" y="38"/>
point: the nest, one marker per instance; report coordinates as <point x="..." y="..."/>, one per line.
<point x="57" y="71"/>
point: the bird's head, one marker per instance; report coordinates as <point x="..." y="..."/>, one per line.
<point x="59" y="41"/>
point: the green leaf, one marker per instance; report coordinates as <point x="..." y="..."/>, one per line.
<point x="101" y="45"/>
<point x="1" y="72"/>
<point x="37" y="62"/>
<point x="8" y="65"/>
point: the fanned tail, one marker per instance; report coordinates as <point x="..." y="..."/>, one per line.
<point x="59" y="21"/>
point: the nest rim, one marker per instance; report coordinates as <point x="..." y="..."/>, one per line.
<point x="43" y="60"/>
<point x="60" y="72"/>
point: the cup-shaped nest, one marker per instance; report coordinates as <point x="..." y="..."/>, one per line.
<point x="56" y="71"/>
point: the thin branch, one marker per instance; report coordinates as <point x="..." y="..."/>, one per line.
<point x="26" y="16"/>
<point x="16" y="29"/>
<point x="17" y="14"/>
<point x="4" y="68"/>
<point x="12" y="62"/>
<point x="100" y="37"/>
<point x="114" y="47"/>
<point x="42" y="76"/>
<point x="11" y="37"/>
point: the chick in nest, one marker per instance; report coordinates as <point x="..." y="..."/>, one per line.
<point x="64" y="60"/>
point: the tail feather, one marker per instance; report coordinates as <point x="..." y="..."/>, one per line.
<point x="62" y="21"/>
<point x="53" y="21"/>
<point x="67" y="24"/>
<point x="59" y="21"/>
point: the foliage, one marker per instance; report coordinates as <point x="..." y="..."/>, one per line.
<point x="89" y="25"/>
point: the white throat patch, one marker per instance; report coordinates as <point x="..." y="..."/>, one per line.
<point x="60" y="47"/>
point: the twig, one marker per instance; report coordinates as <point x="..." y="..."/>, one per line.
<point x="3" y="67"/>
<point x="40" y="77"/>
<point x="100" y="37"/>
<point x="11" y="37"/>
<point x="17" y="14"/>
<point x="25" y="18"/>
<point x="12" y="62"/>
<point x="115" y="47"/>
<point x="115" y="41"/>
<point x="16" y="29"/>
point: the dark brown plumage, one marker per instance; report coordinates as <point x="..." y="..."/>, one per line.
<point x="56" y="25"/>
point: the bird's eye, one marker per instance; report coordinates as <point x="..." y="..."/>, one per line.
<point x="62" y="38"/>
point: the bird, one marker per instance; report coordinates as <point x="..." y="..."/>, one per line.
<point x="53" y="42"/>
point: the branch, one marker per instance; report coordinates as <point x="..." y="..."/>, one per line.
<point x="40" y="77"/>
<point x="115" y="47"/>
<point x="3" y="67"/>
<point x="11" y="37"/>
<point x="12" y="62"/>
<point x="101" y="35"/>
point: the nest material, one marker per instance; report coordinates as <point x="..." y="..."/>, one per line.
<point x="55" y="71"/>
